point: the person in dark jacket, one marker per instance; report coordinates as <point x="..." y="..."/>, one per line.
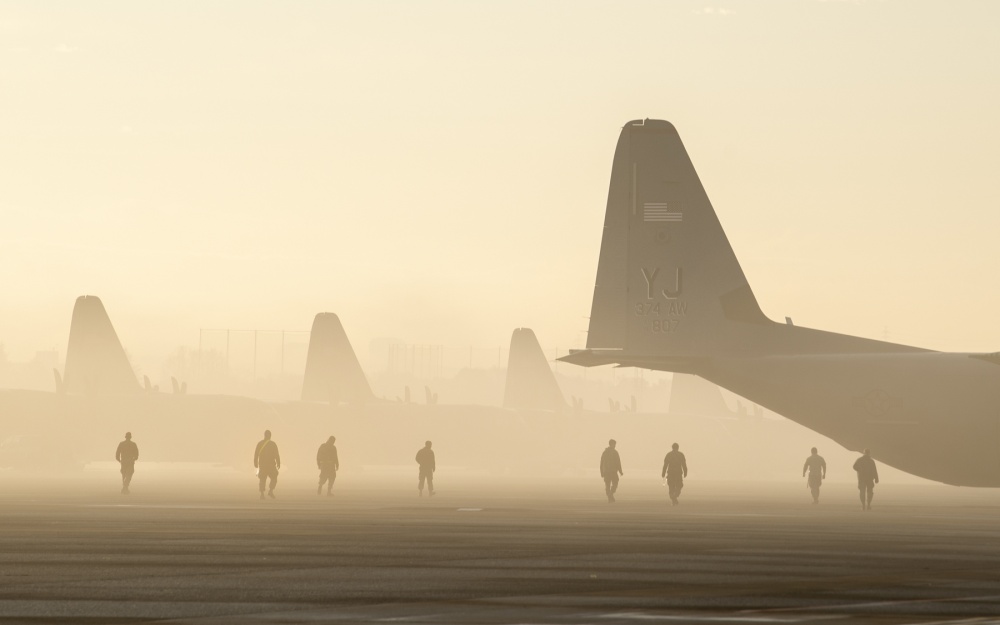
<point x="867" y="478"/>
<point x="329" y="464"/>
<point x="611" y="468"/>
<point x="126" y="455"/>
<point x="267" y="461"/>
<point x="675" y="469"/>
<point x="817" y="472"/>
<point x="425" y="458"/>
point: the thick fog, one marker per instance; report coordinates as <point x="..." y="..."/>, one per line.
<point x="437" y="176"/>
<point x="520" y="417"/>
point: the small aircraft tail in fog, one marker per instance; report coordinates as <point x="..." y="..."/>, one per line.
<point x="98" y="397"/>
<point x="333" y="373"/>
<point x="694" y="396"/>
<point x="95" y="359"/>
<point x="530" y="382"/>
<point x="62" y="431"/>
<point x="670" y="295"/>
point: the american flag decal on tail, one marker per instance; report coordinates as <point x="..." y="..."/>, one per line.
<point x="662" y="212"/>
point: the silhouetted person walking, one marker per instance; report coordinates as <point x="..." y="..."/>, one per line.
<point x="267" y="461"/>
<point x="425" y="458"/>
<point x="126" y="455"/>
<point x="675" y="469"/>
<point x="867" y="478"/>
<point x="817" y="472"/>
<point x="328" y="463"/>
<point x="611" y="468"/>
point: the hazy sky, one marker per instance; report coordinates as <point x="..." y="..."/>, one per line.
<point x="438" y="171"/>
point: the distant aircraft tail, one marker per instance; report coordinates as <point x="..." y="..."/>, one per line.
<point x="530" y="383"/>
<point x="693" y="396"/>
<point x="333" y="372"/>
<point x="95" y="359"/>
<point x="670" y="293"/>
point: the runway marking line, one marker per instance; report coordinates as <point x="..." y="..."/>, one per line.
<point x="975" y="620"/>
<point x="875" y="604"/>
<point x="154" y="506"/>
<point x="696" y="618"/>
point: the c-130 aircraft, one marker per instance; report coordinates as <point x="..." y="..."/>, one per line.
<point x="671" y="296"/>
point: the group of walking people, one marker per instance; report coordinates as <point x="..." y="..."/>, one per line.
<point x="864" y="466"/>
<point x="267" y="461"/>
<point x="675" y="470"/>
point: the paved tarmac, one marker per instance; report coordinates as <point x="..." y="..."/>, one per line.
<point x="497" y="552"/>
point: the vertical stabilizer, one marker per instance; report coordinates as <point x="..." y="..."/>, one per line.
<point x="333" y="372"/>
<point x="530" y="381"/>
<point x="667" y="281"/>
<point x="670" y="293"/>
<point x="95" y="359"/>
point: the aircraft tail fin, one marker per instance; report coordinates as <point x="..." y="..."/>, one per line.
<point x="333" y="372"/>
<point x="95" y="359"/>
<point x="530" y="381"/>
<point x="670" y="294"/>
<point x="668" y="282"/>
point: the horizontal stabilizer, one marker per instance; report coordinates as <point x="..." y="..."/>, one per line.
<point x="602" y="357"/>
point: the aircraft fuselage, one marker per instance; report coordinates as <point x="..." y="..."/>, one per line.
<point x="932" y="414"/>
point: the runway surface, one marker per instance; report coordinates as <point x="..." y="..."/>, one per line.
<point x="497" y="552"/>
